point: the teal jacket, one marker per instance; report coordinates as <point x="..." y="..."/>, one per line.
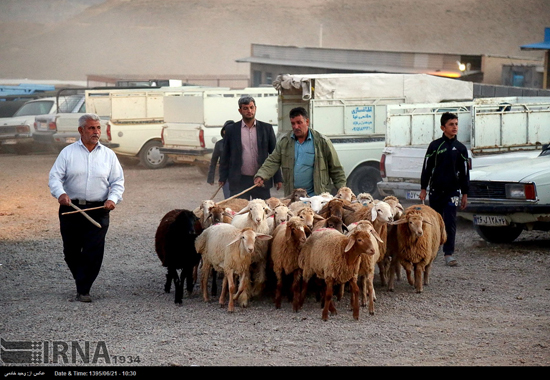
<point x="327" y="168"/>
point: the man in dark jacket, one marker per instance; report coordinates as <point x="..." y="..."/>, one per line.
<point x="216" y="154"/>
<point x="446" y="173"/>
<point x="247" y="143"/>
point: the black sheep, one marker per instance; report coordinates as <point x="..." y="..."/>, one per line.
<point x="175" y="247"/>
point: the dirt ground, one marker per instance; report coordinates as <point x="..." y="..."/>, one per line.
<point x="491" y="310"/>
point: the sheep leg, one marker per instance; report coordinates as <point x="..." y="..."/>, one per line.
<point x="224" y="292"/>
<point x="259" y="278"/>
<point x="205" y="271"/>
<point x="231" y="285"/>
<point x="391" y="281"/>
<point x="168" y="283"/>
<point x="354" y="291"/>
<point x="372" y="295"/>
<point x="341" y="290"/>
<point x="242" y="291"/>
<point x="383" y="271"/>
<point x="214" y="289"/>
<point x="296" y="290"/>
<point x="278" y="289"/>
<point x="189" y="276"/>
<point x="303" y="292"/>
<point x="362" y="283"/>
<point x="178" y="285"/>
<point x="328" y="299"/>
<point x="418" y="270"/>
<point x="427" y="274"/>
<point x="409" y="269"/>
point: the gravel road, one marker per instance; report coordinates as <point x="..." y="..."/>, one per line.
<point x="491" y="310"/>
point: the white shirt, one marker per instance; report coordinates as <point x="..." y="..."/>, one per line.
<point x="92" y="176"/>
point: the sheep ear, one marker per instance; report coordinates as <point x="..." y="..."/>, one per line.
<point x="375" y="234"/>
<point x="263" y="237"/>
<point x="290" y="214"/>
<point x="307" y="231"/>
<point x="351" y="242"/>
<point x="398" y="221"/>
<point x="344" y="227"/>
<point x="318" y="217"/>
<point x="373" y="214"/>
<point x="236" y="239"/>
<point x="243" y="211"/>
<point x="349" y="208"/>
<point x="288" y="232"/>
<point x="425" y="221"/>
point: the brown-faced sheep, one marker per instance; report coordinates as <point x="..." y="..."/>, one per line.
<point x="333" y="222"/>
<point x="309" y="216"/>
<point x="255" y="216"/>
<point x="288" y="239"/>
<point x="345" y="193"/>
<point x="420" y="233"/>
<point x="175" y="247"/>
<point x="335" y="207"/>
<point x="227" y="248"/>
<point x="294" y="196"/>
<point x="334" y="258"/>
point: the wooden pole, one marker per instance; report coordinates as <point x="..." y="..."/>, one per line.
<point x="85" y="215"/>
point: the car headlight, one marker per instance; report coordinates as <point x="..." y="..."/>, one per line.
<point x="521" y="191"/>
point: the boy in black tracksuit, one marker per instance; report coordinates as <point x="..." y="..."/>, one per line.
<point x="445" y="172"/>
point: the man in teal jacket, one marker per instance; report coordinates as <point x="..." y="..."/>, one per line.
<point x="307" y="159"/>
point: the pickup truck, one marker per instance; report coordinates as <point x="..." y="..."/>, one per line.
<point x="192" y="122"/>
<point x="17" y="131"/>
<point x="495" y="130"/>
<point x="506" y="199"/>
<point x="135" y="119"/>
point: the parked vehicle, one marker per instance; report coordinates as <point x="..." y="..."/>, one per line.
<point x="506" y="199"/>
<point x="193" y="121"/>
<point x="495" y="130"/>
<point x="135" y="119"/>
<point x="17" y="131"/>
<point x="351" y="110"/>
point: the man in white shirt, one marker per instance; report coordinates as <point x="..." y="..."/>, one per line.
<point x="86" y="174"/>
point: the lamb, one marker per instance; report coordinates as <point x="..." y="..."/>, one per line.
<point x="333" y="222"/>
<point x="309" y="216"/>
<point x="420" y="233"/>
<point x="294" y="196"/>
<point x="175" y="247"/>
<point x="365" y="199"/>
<point x="366" y="269"/>
<point x="335" y="207"/>
<point x="274" y="202"/>
<point x="335" y="258"/>
<point x="317" y="202"/>
<point x="220" y="251"/>
<point x="396" y="206"/>
<point x="255" y="216"/>
<point x="345" y="193"/>
<point x="288" y="239"/>
<point x="281" y="214"/>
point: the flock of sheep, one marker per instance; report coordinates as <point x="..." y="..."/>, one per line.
<point x="322" y="243"/>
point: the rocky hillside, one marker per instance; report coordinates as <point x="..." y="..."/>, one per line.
<point x="66" y="40"/>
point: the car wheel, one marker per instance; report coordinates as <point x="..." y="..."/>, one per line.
<point x="503" y="234"/>
<point x="365" y="179"/>
<point x="151" y="157"/>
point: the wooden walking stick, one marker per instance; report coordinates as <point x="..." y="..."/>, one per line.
<point x="213" y="196"/>
<point x="85" y="215"/>
<point x="88" y="209"/>
<point x="236" y="195"/>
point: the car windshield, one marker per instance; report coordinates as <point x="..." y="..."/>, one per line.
<point x="68" y="103"/>
<point x="35" y="108"/>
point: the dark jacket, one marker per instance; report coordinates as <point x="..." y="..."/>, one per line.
<point x="218" y="147"/>
<point x="231" y="158"/>
<point x="445" y="168"/>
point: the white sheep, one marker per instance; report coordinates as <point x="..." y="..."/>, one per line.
<point x="280" y="214"/>
<point x="420" y="233"/>
<point x="288" y="239"/>
<point x="365" y="199"/>
<point x="255" y="215"/>
<point x="220" y="251"/>
<point x="335" y="258"/>
<point x="317" y="202"/>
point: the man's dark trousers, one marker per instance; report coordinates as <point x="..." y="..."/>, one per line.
<point x="446" y="205"/>
<point x="83" y="244"/>
<point x="245" y="181"/>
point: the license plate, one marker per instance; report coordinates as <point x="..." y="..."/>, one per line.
<point x="413" y="195"/>
<point x="9" y="142"/>
<point x="43" y="126"/>
<point x="70" y="139"/>
<point x="490" y="220"/>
